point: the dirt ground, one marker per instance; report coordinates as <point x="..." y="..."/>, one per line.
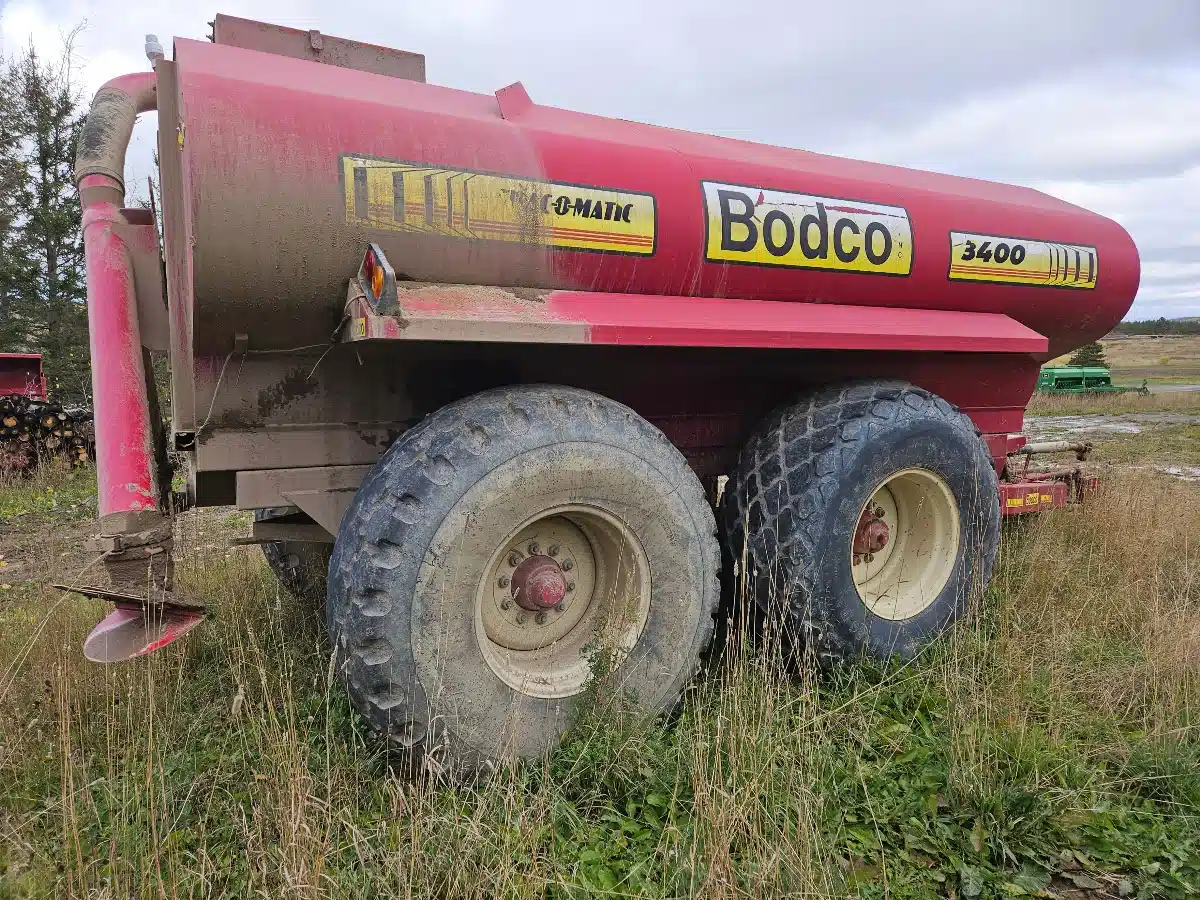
<point x="45" y="520"/>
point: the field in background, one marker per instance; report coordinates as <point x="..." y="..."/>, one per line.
<point x="1052" y="738"/>
<point x="1160" y="360"/>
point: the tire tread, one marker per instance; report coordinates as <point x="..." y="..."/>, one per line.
<point x="401" y="502"/>
<point x="787" y="471"/>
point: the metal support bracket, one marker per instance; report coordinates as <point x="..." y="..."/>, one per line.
<point x="323" y="493"/>
<point x="295" y="532"/>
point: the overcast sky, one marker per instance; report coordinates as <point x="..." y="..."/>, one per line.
<point x="1094" y="101"/>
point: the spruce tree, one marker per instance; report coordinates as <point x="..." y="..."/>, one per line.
<point x="1089" y="355"/>
<point x="13" y="262"/>
<point x="44" y="288"/>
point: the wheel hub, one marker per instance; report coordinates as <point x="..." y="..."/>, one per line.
<point x="872" y="534"/>
<point x="541" y="585"/>
<point x="573" y="577"/>
<point x="538" y="584"/>
<point x="905" y="544"/>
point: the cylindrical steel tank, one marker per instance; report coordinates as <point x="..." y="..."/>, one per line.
<point x="290" y="167"/>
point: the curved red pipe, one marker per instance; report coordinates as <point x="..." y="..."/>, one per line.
<point x="125" y="471"/>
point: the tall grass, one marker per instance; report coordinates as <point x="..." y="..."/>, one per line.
<point x="53" y="486"/>
<point x="1062" y="718"/>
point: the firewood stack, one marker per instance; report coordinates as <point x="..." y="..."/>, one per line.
<point x="31" y="430"/>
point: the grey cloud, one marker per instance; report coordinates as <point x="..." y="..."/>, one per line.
<point x="1105" y="124"/>
<point x="1178" y="253"/>
<point x="775" y="64"/>
<point x="1163" y="215"/>
<point x="1186" y="276"/>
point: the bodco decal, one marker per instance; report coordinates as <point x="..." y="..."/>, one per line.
<point x="763" y="227"/>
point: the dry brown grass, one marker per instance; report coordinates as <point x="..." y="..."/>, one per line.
<point x="1174" y="353"/>
<point x="1104" y="605"/>
<point x="1184" y="402"/>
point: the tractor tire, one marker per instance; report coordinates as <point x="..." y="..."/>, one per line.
<point x="496" y="550"/>
<point x="857" y="462"/>
<point x="301" y="567"/>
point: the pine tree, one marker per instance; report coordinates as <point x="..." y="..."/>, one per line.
<point x="13" y="264"/>
<point x="1089" y="355"/>
<point x="44" y="289"/>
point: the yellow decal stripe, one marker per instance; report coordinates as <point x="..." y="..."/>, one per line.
<point x="984" y="257"/>
<point x="419" y="199"/>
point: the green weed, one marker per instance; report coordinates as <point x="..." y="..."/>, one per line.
<point x="53" y="491"/>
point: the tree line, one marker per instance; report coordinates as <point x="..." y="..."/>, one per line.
<point x="43" y="298"/>
<point x="1160" y="327"/>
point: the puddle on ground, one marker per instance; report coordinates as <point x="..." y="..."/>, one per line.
<point x="1057" y="428"/>
<point x="1183" y="473"/>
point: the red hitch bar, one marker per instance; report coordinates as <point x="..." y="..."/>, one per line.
<point x="1026" y="491"/>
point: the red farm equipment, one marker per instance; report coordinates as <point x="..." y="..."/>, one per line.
<point x="21" y="376"/>
<point x="521" y="380"/>
<point x="31" y="426"/>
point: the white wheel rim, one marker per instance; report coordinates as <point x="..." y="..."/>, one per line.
<point x="904" y="577"/>
<point x="544" y="652"/>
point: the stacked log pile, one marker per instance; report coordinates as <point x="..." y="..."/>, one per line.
<point x="33" y="430"/>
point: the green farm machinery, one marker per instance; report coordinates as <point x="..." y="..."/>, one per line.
<point x="1082" y="380"/>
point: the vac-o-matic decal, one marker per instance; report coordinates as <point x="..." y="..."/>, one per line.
<point x="987" y="257"/>
<point x="401" y="196"/>
<point x="774" y="228"/>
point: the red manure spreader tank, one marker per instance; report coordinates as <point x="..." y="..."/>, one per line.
<point x="21" y="376"/>
<point x="523" y="382"/>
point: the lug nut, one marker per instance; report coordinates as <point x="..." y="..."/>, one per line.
<point x="506" y="604"/>
<point x="562" y="607"/>
<point x="540" y="618"/>
<point x="879" y="512"/>
<point x="870" y="557"/>
<point x="567" y="565"/>
<point x="570" y="585"/>
<point x="503" y="582"/>
<point x="553" y="551"/>
<point x="534" y="549"/>
<point x="521" y="617"/>
<point x="514" y="559"/>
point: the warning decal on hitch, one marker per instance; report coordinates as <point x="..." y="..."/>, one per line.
<point x="762" y="227"/>
<point x="1005" y="260"/>
<point x="422" y="199"/>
